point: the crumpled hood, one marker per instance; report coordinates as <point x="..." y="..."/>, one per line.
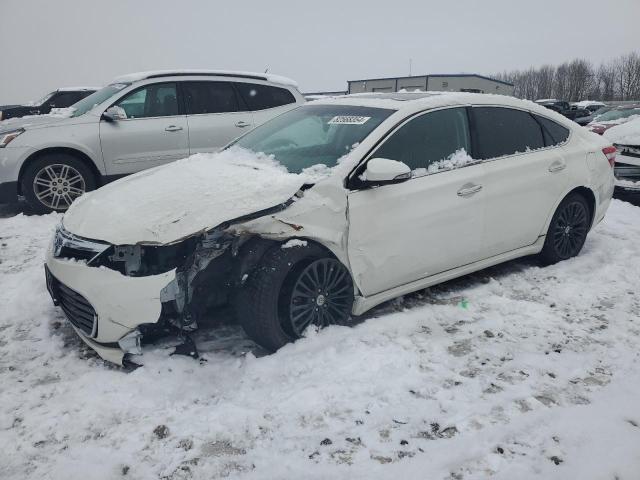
<point x="171" y="202"/>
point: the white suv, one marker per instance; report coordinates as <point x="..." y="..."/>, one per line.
<point x="325" y="212"/>
<point x="137" y="122"/>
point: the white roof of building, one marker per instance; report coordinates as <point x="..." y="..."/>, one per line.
<point x="133" y="77"/>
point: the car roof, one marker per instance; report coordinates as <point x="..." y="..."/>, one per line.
<point x="416" y="101"/>
<point x="267" y="77"/>
<point x="78" y="89"/>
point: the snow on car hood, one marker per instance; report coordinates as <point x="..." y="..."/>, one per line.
<point x="29" y="121"/>
<point x="167" y="203"/>
<point x="625" y="134"/>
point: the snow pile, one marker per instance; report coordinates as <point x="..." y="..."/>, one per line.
<point x="167" y="203"/>
<point x="626" y="134"/>
<point x="516" y="372"/>
<point x="457" y="159"/>
<point x="295" y="242"/>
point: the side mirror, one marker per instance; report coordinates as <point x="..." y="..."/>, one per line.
<point x="382" y="171"/>
<point x="113" y="114"/>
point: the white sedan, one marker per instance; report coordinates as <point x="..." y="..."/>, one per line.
<point x="326" y="211"/>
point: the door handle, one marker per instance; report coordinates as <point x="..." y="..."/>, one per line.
<point x="242" y="124"/>
<point x="172" y="128"/>
<point x="467" y="191"/>
<point x="557" y="166"/>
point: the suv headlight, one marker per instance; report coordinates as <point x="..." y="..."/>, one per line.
<point x="7" y="137"/>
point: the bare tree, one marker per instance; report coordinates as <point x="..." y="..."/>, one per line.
<point x="618" y="79"/>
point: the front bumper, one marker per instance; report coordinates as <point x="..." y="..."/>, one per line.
<point x="119" y="303"/>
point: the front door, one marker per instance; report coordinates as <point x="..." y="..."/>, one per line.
<point x="429" y="224"/>
<point x="154" y="132"/>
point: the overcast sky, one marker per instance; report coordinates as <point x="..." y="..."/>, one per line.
<point x="47" y="44"/>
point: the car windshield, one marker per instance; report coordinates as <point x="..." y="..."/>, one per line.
<point x="618" y="114"/>
<point x="314" y="134"/>
<point x="87" y="103"/>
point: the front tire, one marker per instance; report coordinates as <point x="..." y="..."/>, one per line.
<point x="52" y="182"/>
<point x="291" y="289"/>
<point x="567" y="231"/>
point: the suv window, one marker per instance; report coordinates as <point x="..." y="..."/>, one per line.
<point x="64" y="99"/>
<point x="156" y="100"/>
<point x="209" y="97"/>
<point x="261" y="97"/>
<point x="428" y="138"/>
<point x="554" y="133"/>
<point x="505" y="131"/>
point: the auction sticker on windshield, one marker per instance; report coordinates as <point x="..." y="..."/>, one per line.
<point x="348" y="120"/>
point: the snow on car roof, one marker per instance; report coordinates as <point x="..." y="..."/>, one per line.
<point x="133" y="77"/>
<point x="587" y="103"/>
<point x="77" y="89"/>
<point x="410" y="102"/>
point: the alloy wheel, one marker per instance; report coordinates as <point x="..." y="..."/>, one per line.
<point x="57" y="186"/>
<point x="321" y="295"/>
<point x="570" y="229"/>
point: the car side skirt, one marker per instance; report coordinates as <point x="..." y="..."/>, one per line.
<point x="362" y="304"/>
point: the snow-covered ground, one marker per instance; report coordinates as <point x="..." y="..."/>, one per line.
<point x="516" y="372"/>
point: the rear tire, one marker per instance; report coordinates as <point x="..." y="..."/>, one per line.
<point x="291" y="289"/>
<point x="52" y="182"/>
<point x="567" y="231"/>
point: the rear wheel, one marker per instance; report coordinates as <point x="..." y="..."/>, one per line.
<point x="292" y="289"/>
<point x="54" y="181"/>
<point x="568" y="230"/>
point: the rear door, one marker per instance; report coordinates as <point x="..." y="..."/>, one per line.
<point x="214" y="114"/>
<point x="525" y="176"/>
<point x="429" y="224"/>
<point x="154" y="132"/>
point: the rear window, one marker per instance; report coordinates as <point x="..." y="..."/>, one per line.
<point x="505" y="131"/>
<point x="209" y="97"/>
<point x="554" y="133"/>
<point x="261" y="97"/>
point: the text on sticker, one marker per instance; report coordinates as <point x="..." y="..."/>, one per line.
<point x="348" y="120"/>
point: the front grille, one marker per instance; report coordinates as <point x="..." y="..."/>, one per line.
<point x="75" y="307"/>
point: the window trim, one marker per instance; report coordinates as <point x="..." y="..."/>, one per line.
<point x="516" y="154"/>
<point x="179" y="99"/>
<point x="243" y="102"/>
<point x="352" y="182"/>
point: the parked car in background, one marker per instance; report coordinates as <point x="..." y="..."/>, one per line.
<point x="61" y="98"/>
<point x="584" y="121"/>
<point x="590" y="105"/>
<point x="564" y="108"/>
<point x="615" y="116"/>
<point x="325" y="212"/>
<point x="626" y="138"/>
<point x="137" y="122"/>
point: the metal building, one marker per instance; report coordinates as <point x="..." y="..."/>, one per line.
<point x="463" y="82"/>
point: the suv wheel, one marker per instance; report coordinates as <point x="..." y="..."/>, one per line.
<point x="567" y="231"/>
<point x="291" y="289"/>
<point x="54" y="181"/>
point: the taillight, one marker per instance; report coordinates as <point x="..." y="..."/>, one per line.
<point x="610" y="153"/>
